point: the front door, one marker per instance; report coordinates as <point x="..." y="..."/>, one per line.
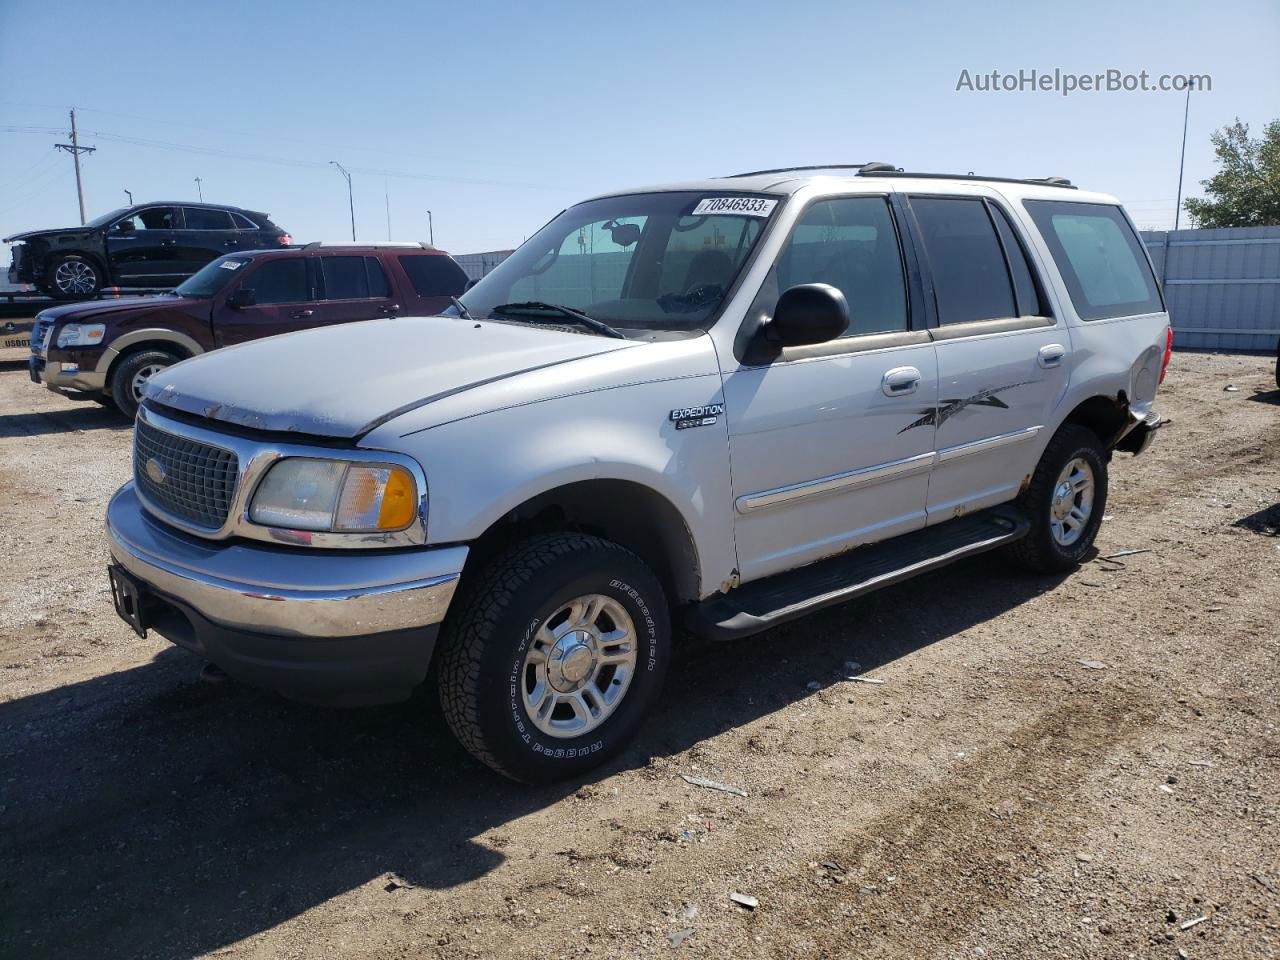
<point x="827" y="446"/>
<point x="142" y="248"/>
<point x="283" y="291"/>
<point x="1002" y="357"/>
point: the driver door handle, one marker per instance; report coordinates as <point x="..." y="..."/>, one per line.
<point x="1051" y="355"/>
<point x="301" y="314"/>
<point x="900" y="382"/>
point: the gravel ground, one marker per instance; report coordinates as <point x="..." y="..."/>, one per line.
<point x="1067" y="767"/>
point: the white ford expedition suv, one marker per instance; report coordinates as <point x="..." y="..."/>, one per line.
<point x="709" y="407"/>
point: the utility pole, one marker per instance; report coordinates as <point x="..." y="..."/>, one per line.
<point x="350" y="197"/>
<point x="1186" y="111"/>
<point x="431" y="229"/>
<point x="200" y="188"/>
<point x="75" y="150"/>
<point x="129" y="194"/>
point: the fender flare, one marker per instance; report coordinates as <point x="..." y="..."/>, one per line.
<point x="155" y="335"/>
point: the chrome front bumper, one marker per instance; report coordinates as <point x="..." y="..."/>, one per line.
<point x="320" y="625"/>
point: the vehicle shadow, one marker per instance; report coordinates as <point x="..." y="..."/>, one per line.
<point x="1265" y="521"/>
<point x="89" y="416"/>
<point x="1267" y="396"/>
<point x="143" y="813"/>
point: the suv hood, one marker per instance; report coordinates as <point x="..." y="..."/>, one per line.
<point x="28" y="234"/>
<point x="101" y="308"/>
<point x="344" y="380"/>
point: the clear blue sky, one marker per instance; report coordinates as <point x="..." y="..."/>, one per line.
<point x="497" y="115"/>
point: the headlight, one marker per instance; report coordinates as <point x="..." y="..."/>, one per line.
<point x="307" y="494"/>
<point x="81" y="334"/>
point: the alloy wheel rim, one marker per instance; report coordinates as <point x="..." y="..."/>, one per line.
<point x="142" y="376"/>
<point x="75" y="276"/>
<point x="579" y="666"/>
<point x="1072" y="504"/>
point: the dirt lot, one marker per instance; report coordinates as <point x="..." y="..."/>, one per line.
<point x="995" y="796"/>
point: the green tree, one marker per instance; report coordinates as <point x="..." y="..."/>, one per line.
<point x="1245" y="192"/>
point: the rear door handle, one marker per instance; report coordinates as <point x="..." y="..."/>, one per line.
<point x="168" y="243"/>
<point x="393" y="309"/>
<point x="900" y="382"/>
<point x="1051" y="355"/>
<point x="301" y="314"/>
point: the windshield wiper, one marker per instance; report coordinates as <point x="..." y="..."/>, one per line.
<point x="591" y="323"/>
<point x="461" y="307"/>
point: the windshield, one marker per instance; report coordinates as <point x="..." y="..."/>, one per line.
<point x="105" y="218"/>
<point x="644" y="263"/>
<point x="211" y="278"/>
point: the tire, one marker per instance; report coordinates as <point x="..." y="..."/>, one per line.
<point x="1059" y="543"/>
<point x="129" y="374"/>
<point x="497" y="653"/>
<point x="73" y="276"/>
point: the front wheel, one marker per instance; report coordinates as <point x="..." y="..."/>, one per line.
<point x="74" y="277"/>
<point x="131" y="374"/>
<point x="1065" y="502"/>
<point x="554" y="657"/>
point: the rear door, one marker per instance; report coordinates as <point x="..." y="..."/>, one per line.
<point x="206" y="235"/>
<point x="1002" y="356"/>
<point x="143" y="248"/>
<point x="284" y="290"/>
<point x="352" y="287"/>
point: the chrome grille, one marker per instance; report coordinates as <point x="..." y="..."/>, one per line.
<point x="195" y="482"/>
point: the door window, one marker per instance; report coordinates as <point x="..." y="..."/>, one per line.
<point x="283" y="280"/>
<point x="242" y="222"/>
<point x="378" y="286"/>
<point x="970" y="277"/>
<point x="155" y="218"/>
<point x="344" y="278"/>
<point x="1102" y="262"/>
<point x="434" y="276"/>
<point x="200" y="219"/>
<point x="850" y="243"/>
<point x="1024" y="284"/>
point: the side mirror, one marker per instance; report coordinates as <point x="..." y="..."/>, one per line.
<point x="244" y="297"/>
<point x="125" y="226"/>
<point x="808" y="313"/>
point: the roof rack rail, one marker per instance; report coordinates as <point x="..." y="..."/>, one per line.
<point x="878" y="171"/>
<point x="314" y="244"/>
<point x="812" y="166"/>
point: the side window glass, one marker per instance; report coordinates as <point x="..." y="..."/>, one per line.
<point x="1102" y="262"/>
<point x="589" y="267"/>
<point x="344" y="278"/>
<point x="155" y="218"/>
<point x="378" y="286"/>
<point x="970" y="278"/>
<point x="200" y="219"/>
<point x="850" y="243"/>
<point x="433" y="275"/>
<point x="280" y="281"/>
<point x="242" y="222"/>
<point x="1029" y="303"/>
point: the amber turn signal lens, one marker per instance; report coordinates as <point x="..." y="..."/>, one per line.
<point x="398" y="501"/>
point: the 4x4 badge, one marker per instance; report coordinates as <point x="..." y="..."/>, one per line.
<point x="686" y="417"/>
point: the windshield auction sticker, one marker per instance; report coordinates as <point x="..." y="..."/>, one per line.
<point x="735" y="206"/>
<point x="231" y="264"/>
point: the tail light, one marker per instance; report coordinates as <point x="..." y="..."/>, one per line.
<point x="1168" y="353"/>
<point x="284" y="239"/>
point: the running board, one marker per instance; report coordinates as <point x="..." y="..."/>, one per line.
<point x="786" y="596"/>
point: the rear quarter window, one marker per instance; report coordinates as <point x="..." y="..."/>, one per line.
<point x="434" y="275"/>
<point x="1101" y="259"/>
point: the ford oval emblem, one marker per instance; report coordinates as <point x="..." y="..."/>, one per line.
<point x="156" y="470"/>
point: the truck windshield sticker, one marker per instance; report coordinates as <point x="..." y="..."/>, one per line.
<point x="734" y="206"/>
<point x="231" y="264"/>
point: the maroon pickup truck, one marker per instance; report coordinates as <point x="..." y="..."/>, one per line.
<point x="106" y="350"/>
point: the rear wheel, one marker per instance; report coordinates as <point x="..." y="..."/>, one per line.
<point x="131" y="374"/>
<point x="554" y="656"/>
<point x="74" y="277"/>
<point x="1064" y="502"/>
